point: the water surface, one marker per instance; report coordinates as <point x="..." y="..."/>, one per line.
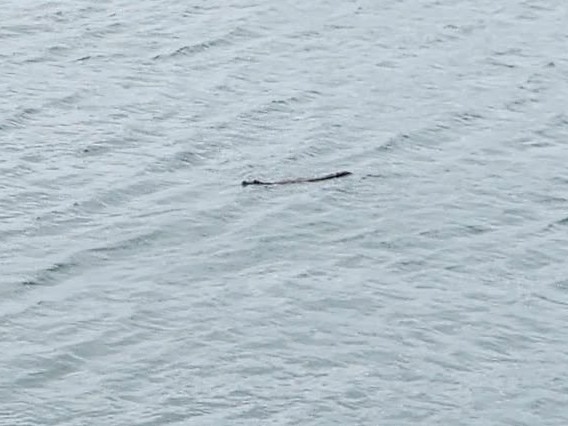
<point x="141" y="284"/>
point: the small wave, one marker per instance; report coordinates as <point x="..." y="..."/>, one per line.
<point x="50" y="275"/>
<point x="88" y="258"/>
<point x="20" y="119"/>
<point x="223" y="41"/>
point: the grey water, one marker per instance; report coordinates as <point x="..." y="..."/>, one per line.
<point x="141" y="284"/>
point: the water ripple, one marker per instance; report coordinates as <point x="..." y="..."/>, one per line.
<point x="142" y="284"/>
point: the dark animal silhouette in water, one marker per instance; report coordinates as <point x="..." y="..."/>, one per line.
<point x="300" y="180"/>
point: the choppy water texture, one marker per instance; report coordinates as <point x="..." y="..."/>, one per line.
<point x="142" y="285"/>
